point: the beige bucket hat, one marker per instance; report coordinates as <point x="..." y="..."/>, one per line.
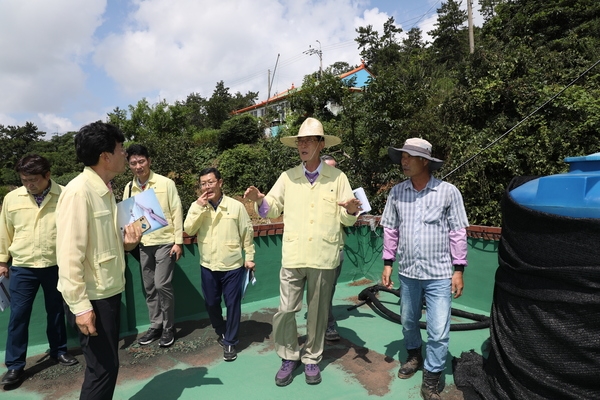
<point x="416" y="147"/>
<point x="311" y="127"/>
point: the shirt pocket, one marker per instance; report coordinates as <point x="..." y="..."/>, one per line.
<point x="331" y="247"/>
<point x="21" y="217"/>
<point x="232" y="252"/>
<point x="105" y="269"/>
<point x="433" y="215"/>
<point x="330" y="206"/>
<point x="291" y="244"/>
<point x="103" y="224"/>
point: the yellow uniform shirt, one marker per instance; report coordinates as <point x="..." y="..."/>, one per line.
<point x="312" y="236"/>
<point x="222" y="234"/>
<point x="28" y="232"/>
<point x="168" y="198"/>
<point x="91" y="261"/>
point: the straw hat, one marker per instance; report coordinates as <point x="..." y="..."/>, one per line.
<point x="311" y="127"/>
<point x="416" y="147"/>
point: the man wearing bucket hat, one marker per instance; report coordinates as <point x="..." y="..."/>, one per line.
<point x="317" y="199"/>
<point x="424" y="224"/>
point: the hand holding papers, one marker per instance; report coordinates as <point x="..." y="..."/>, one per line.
<point x="144" y="209"/>
<point x="360" y="194"/>
<point x="249" y="279"/>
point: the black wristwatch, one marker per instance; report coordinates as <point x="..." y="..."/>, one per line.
<point x="459" y="268"/>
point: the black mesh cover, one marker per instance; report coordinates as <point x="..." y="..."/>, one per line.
<point x="545" y="317"/>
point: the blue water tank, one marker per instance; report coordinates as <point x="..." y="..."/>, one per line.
<point x="574" y="194"/>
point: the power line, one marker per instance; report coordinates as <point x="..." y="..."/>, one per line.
<point x="287" y="62"/>
<point x="521" y="121"/>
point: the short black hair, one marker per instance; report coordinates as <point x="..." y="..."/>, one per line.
<point x="94" y="139"/>
<point x="137" y="150"/>
<point x="210" y="170"/>
<point x="33" y="164"/>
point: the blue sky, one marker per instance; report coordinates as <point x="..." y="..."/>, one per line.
<point x="65" y="63"/>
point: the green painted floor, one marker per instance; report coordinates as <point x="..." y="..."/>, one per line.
<point x="373" y="346"/>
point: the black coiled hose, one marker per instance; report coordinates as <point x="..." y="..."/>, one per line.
<point x="369" y="296"/>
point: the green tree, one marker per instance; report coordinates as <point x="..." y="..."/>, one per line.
<point x="218" y="107"/>
<point x="16" y="141"/>
<point x="244" y="165"/>
<point x="242" y="129"/>
<point x="316" y="96"/>
<point x="530" y="51"/>
<point x="449" y="36"/>
<point x="379" y="50"/>
<point x="338" y="68"/>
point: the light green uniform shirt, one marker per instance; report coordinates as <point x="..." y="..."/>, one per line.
<point x="91" y="261"/>
<point x="222" y="234"/>
<point x="168" y="198"/>
<point x="312" y="237"/>
<point x="28" y="232"/>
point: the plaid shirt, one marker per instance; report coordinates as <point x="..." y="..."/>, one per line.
<point x="423" y="220"/>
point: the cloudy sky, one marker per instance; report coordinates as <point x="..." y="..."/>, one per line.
<point x="65" y="63"/>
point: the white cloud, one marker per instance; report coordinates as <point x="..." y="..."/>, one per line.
<point x="372" y="17"/>
<point x="7" y="120"/>
<point x="427" y="25"/>
<point x="187" y="46"/>
<point x="68" y="62"/>
<point x="51" y="123"/>
<point x="43" y="44"/>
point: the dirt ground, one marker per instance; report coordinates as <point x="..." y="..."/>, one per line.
<point x="196" y="346"/>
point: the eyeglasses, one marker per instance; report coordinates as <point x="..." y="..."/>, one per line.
<point x="306" y="140"/>
<point x="208" y="184"/>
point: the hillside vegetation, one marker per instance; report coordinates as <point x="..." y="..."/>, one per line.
<point x="526" y="53"/>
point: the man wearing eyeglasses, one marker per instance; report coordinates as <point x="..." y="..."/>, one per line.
<point x="317" y="200"/>
<point x="28" y="244"/>
<point x="224" y="229"/>
<point x="159" y="250"/>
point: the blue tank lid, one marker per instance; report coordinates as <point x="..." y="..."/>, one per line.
<point x="574" y="194"/>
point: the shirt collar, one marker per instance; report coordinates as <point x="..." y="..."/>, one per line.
<point x="215" y="206"/>
<point x="150" y="180"/>
<point x="432" y="184"/>
<point x="95" y="181"/>
<point x="39" y="198"/>
<point x="318" y="170"/>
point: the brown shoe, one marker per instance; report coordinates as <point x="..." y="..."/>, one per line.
<point x="430" y="386"/>
<point x="414" y="362"/>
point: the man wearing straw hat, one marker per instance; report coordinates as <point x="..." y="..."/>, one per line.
<point x="424" y="224"/>
<point x="317" y="199"/>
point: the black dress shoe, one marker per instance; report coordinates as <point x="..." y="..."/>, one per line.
<point x="66" y="360"/>
<point x="12" y="376"/>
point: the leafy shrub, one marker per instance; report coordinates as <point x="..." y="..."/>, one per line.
<point x="243" y="166"/>
<point x="241" y="129"/>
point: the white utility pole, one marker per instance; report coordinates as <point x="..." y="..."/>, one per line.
<point x="319" y="52"/>
<point x="470" y="21"/>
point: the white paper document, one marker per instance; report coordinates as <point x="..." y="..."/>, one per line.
<point x="360" y="194"/>
<point x="4" y="293"/>
<point x="142" y="208"/>
<point x="249" y="279"/>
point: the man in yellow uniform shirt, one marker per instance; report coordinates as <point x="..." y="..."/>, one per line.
<point x="91" y="259"/>
<point x="224" y="229"/>
<point x="159" y="249"/>
<point x="317" y="200"/>
<point x="28" y="237"/>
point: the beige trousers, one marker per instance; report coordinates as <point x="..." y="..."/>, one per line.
<point x="319" y="284"/>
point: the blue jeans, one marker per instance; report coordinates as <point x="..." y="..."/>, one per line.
<point x="438" y="299"/>
<point x="23" y="286"/>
